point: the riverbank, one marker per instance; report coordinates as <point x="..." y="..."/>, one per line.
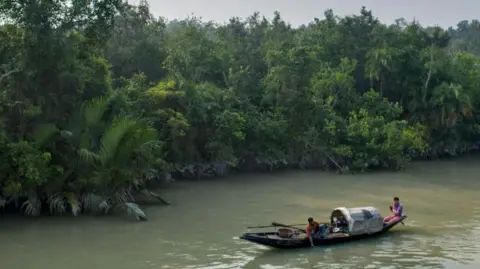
<point x="255" y="166"/>
<point x="327" y="163"/>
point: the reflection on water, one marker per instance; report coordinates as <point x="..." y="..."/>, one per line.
<point x="199" y="230"/>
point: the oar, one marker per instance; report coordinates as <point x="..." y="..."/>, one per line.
<point x="391" y="209"/>
<point x="287" y="226"/>
<point x="268" y="226"/>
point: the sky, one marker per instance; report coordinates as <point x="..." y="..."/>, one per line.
<point x="443" y="13"/>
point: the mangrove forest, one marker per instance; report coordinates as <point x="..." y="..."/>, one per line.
<point x="100" y="100"/>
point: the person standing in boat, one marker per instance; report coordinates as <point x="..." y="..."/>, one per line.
<point x="397" y="210"/>
<point x="314" y="230"/>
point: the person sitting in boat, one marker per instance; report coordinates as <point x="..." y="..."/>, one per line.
<point x="314" y="229"/>
<point x="341" y="222"/>
<point x="397" y="210"/>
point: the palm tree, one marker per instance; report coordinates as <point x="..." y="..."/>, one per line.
<point x="450" y="100"/>
<point x="113" y="158"/>
<point x="378" y="62"/>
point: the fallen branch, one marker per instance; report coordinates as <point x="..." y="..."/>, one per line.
<point x="333" y="161"/>
<point x="159" y="198"/>
<point x="156" y="196"/>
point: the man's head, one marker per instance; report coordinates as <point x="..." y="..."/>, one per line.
<point x="310" y="220"/>
<point x="396" y="200"/>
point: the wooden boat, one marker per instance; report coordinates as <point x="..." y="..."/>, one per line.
<point x="363" y="222"/>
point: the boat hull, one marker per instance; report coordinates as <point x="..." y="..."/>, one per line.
<point x="270" y="240"/>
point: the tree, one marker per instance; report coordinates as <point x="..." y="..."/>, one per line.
<point x="98" y="101"/>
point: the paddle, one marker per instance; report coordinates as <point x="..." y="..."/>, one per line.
<point x="268" y="226"/>
<point x="391" y="209"/>
<point x="276" y="224"/>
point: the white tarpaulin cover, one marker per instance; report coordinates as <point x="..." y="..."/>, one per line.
<point x="361" y="220"/>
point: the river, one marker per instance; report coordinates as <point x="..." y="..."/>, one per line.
<point x="200" y="228"/>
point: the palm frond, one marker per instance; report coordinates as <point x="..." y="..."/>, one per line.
<point x="113" y="137"/>
<point x="57" y="204"/>
<point x="94" y="203"/>
<point x="74" y="203"/>
<point x="104" y="206"/>
<point x="146" y="135"/>
<point x="135" y="210"/>
<point x="141" y="139"/>
<point x="94" y="110"/>
<point x="88" y="156"/>
<point x="32" y="206"/>
<point x="123" y="197"/>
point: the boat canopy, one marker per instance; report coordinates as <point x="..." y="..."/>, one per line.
<point x="361" y="220"/>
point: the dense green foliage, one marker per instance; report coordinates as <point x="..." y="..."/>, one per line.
<point x="97" y="100"/>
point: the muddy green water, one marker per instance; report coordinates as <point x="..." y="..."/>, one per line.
<point x="199" y="230"/>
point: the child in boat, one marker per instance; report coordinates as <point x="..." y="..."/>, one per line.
<point x="397" y="210"/>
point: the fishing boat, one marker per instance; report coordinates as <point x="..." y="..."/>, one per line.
<point x="362" y="222"/>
